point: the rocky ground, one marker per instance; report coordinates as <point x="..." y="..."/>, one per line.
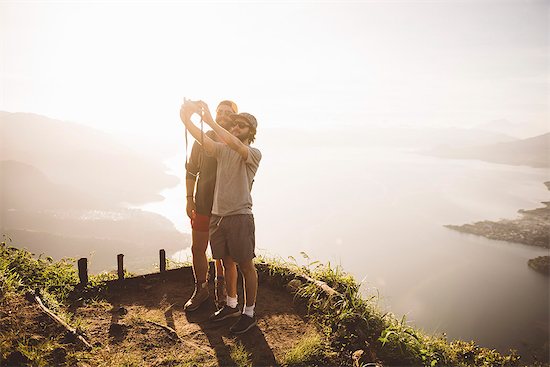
<point x="144" y="324"/>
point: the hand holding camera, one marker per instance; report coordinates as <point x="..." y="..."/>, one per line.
<point x="188" y="108"/>
<point x="191" y="107"/>
<point x="206" y="115"/>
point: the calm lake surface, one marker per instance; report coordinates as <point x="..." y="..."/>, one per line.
<point x="379" y="213"/>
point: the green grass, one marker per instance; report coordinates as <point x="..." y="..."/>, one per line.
<point x="37" y="354"/>
<point x="174" y="264"/>
<point x="351" y="322"/>
<point x="240" y="355"/>
<point x="310" y="350"/>
<point x="21" y="272"/>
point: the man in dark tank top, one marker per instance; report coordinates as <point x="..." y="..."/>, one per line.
<point x="200" y="183"/>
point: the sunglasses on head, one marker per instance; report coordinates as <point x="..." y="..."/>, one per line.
<point x="224" y="112"/>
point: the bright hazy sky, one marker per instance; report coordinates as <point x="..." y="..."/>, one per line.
<point x="126" y="66"/>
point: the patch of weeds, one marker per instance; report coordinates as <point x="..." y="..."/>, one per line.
<point x="401" y="340"/>
<point x="22" y="272"/>
<point x="240" y="355"/>
<point x="310" y="350"/>
<point x="7" y="338"/>
<point x="180" y="359"/>
<point x="351" y="322"/>
<point x="98" y="302"/>
<point x="174" y="264"/>
<point x="39" y="354"/>
<point x="97" y="280"/>
<point x="73" y="358"/>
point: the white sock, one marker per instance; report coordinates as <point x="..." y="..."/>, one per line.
<point x="249" y="310"/>
<point x="231" y="302"/>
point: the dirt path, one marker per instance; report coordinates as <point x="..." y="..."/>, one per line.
<point x="137" y="338"/>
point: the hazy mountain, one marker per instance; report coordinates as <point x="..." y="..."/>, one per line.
<point x="63" y="187"/>
<point x="31" y="201"/>
<point x="515" y="129"/>
<point x="398" y="137"/>
<point x="534" y="152"/>
<point x="82" y="157"/>
<point x="25" y="187"/>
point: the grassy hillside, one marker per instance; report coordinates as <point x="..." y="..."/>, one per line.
<point x="351" y="330"/>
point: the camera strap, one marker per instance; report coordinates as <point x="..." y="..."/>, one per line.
<point x="187" y="144"/>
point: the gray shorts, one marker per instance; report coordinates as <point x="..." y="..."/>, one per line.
<point x="233" y="236"/>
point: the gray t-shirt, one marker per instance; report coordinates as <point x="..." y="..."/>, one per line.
<point x="234" y="180"/>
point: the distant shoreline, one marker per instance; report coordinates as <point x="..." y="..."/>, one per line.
<point x="532" y="228"/>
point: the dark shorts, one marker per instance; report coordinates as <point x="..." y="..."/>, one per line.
<point x="200" y="222"/>
<point x="233" y="236"/>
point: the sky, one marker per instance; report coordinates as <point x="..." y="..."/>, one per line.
<point x="125" y="66"/>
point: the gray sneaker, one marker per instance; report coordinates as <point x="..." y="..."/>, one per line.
<point x="244" y="324"/>
<point x="220" y="292"/>
<point x="197" y="299"/>
<point x="224" y="313"/>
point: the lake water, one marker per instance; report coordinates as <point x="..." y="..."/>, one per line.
<point x="379" y="213"/>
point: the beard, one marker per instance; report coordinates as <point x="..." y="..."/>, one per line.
<point x="242" y="137"/>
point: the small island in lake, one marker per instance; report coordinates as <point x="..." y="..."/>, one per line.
<point x="540" y="264"/>
<point x="532" y="228"/>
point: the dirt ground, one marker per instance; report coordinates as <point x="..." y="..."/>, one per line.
<point x="23" y="322"/>
<point x="125" y="329"/>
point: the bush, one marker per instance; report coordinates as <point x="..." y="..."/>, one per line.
<point x="21" y="272"/>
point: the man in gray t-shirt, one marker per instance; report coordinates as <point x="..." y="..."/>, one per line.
<point x="232" y="230"/>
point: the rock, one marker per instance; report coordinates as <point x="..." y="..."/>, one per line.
<point x="59" y="355"/>
<point x="17" y="359"/>
<point x="68" y="338"/>
<point x="540" y="264"/>
<point x="362" y="358"/>
<point x="122" y="311"/>
<point x="117" y="330"/>
<point x="294" y="284"/>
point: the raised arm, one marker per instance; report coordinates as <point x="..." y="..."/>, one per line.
<point x="186" y="111"/>
<point x="232" y="141"/>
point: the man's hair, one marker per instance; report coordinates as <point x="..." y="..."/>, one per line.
<point x="230" y="104"/>
<point x="251" y="135"/>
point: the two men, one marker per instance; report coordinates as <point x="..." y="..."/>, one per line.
<point x="232" y="230"/>
<point x="201" y="170"/>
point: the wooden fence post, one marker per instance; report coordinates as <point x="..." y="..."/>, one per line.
<point x="162" y="254"/>
<point x="120" y="261"/>
<point x="83" y="271"/>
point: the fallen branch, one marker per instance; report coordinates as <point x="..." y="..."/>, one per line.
<point x="319" y="283"/>
<point x="171" y="331"/>
<point x="57" y="319"/>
